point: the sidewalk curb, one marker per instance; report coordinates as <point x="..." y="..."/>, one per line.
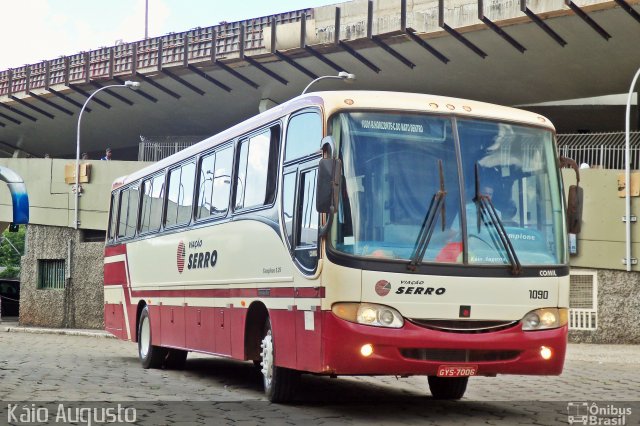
<point x="60" y="331"/>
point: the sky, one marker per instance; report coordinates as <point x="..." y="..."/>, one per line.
<point x="36" y="30"/>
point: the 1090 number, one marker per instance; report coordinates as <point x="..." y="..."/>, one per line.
<point x="538" y="294"/>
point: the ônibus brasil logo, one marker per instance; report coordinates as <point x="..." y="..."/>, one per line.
<point x="180" y="257"/>
<point x="383" y="287"/>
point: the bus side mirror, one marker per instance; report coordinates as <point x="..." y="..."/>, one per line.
<point x="574" y="199"/>
<point x="574" y="209"/>
<point x="329" y="176"/>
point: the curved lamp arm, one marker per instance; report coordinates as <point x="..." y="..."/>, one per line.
<point x="129" y="84"/>
<point x="342" y="75"/>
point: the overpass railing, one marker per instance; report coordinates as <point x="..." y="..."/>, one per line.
<point x="600" y="150"/>
<point x="156" y="151"/>
<point x="126" y="58"/>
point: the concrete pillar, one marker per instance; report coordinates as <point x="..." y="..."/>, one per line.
<point x="80" y="304"/>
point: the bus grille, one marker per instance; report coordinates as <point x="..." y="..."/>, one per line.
<point x="458" y="355"/>
<point x="465" y="326"/>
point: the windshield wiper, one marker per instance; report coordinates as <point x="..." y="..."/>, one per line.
<point x="485" y="206"/>
<point x="429" y="223"/>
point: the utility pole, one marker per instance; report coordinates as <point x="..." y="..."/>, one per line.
<point x="146" y="19"/>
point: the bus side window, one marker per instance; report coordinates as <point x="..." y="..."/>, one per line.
<point x="307" y="230"/>
<point x="187" y="181"/>
<point x="214" y="185"/>
<point x="180" y="194"/>
<point x="222" y="181"/>
<point x="205" y="186"/>
<point x="132" y="214"/>
<point x="124" y="208"/>
<point x="304" y="133"/>
<point x="288" y="202"/>
<point x="128" y="212"/>
<point x="257" y="170"/>
<point x="151" y="212"/>
<point x="114" y="217"/>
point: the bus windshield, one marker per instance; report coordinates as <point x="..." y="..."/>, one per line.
<point x="396" y="164"/>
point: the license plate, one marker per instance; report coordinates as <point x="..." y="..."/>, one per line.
<point x="457" y="370"/>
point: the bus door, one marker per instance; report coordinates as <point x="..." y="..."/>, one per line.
<point x="301" y="224"/>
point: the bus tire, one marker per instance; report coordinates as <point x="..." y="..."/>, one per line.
<point x="447" y="387"/>
<point x="150" y="356"/>
<point x="175" y="360"/>
<point x="280" y="383"/>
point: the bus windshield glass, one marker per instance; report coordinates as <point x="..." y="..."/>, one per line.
<point x="399" y="167"/>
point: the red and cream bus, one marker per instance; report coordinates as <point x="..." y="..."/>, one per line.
<point x="349" y="233"/>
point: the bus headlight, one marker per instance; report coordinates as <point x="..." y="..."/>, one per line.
<point x="368" y="314"/>
<point x="545" y="319"/>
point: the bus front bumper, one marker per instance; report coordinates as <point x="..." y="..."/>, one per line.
<point x="415" y="350"/>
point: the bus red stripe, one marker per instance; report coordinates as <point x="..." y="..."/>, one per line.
<point x="114" y="274"/>
<point x="115" y="250"/>
<point x="270" y="292"/>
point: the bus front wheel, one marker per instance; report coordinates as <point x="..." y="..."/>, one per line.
<point x="279" y="383"/>
<point x="447" y="387"/>
<point x="150" y="356"/>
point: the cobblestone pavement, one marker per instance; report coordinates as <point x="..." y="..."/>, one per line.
<point x="56" y="368"/>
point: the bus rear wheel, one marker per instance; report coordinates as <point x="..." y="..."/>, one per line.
<point x="150" y="356"/>
<point x="447" y="387"/>
<point x="279" y="383"/>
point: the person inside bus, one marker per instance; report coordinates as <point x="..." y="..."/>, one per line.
<point x="107" y="155"/>
<point x="472" y="212"/>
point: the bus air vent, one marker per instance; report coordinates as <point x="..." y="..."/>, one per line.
<point x="465" y="326"/>
<point x="458" y="355"/>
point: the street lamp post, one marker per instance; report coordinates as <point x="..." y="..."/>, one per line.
<point x="131" y="85"/>
<point x="146" y="19"/>
<point x="342" y="75"/>
<point x="627" y="172"/>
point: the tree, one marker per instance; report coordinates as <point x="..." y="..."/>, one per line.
<point x="9" y="258"/>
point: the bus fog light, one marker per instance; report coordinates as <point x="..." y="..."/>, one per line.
<point x="366" y="350"/>
<point x="546" y="353"/>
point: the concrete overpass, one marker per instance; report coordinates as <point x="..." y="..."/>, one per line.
<point x="505" y="52"/>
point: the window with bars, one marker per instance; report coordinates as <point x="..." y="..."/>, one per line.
<point x="50" y="273"/>
<point x="583" y="300"/>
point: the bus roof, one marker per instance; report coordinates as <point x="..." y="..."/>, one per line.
<point x="334" y="101"/>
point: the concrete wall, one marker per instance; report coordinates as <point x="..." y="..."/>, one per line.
<point x="618" y="309"/>
<point x="601" y="247"/>
<point x="80" y="303"/>
<point x="52" y="200"/>
<point x="601" y="243"/>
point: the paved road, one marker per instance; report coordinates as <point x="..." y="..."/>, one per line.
<point x="43" y="367"/>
